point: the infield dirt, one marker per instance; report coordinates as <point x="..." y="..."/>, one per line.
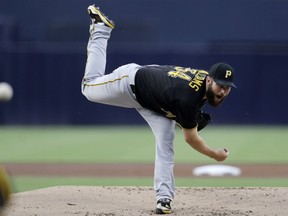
<point x="127" y="201"/>
<point x="134" y="201"/>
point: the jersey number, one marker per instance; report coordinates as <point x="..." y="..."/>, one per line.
<point x="195" y="77"/>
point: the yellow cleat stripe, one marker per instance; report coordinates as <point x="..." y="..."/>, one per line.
<point x="107" y="22"/>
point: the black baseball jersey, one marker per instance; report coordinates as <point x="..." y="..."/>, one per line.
<point x="175" y="92"/>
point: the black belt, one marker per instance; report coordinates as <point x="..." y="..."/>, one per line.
<point x="133" y="88"/>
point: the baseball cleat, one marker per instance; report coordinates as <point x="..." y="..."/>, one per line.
<point x="163" y="206"/>
<point x="98" y="17"/>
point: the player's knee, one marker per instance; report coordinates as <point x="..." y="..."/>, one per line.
<point x="86" y="93"/>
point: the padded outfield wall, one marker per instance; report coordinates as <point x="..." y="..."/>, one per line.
<point x="43" y="56"/>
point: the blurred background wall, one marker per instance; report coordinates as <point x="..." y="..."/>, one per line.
<point x="43" y="55"/>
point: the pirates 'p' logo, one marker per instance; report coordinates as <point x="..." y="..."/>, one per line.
<point x="228" y="73"/>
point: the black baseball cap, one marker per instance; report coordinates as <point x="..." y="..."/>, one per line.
<point x="223" y="74"/>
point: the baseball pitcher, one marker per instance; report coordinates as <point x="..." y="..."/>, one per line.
<point x="164" y="95"/>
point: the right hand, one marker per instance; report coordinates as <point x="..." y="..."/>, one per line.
<point x="221" y="154"/>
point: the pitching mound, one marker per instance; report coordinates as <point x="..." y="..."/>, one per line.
<point x="112" y="201"/>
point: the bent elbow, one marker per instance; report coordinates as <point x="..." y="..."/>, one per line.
<point x="188" y="140"/>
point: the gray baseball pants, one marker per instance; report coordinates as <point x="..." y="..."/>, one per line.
<point x="114" y="89"/>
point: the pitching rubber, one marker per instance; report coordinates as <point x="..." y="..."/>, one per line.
<point x="5" y="189"/>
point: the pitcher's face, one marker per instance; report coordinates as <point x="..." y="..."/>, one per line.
<point x="216" y="93"/>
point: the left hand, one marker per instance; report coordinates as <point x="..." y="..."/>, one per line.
<point x="203" y="119"/>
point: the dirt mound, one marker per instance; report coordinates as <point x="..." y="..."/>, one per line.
<point x="122" y="201"/>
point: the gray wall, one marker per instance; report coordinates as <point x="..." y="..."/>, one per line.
<point x="43" y="54"/>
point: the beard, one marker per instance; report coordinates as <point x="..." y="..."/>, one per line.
<point x="213" y="99"/>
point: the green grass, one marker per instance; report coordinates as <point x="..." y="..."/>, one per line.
<point x="76" y="144"/>
<point x="136" y="144"/>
